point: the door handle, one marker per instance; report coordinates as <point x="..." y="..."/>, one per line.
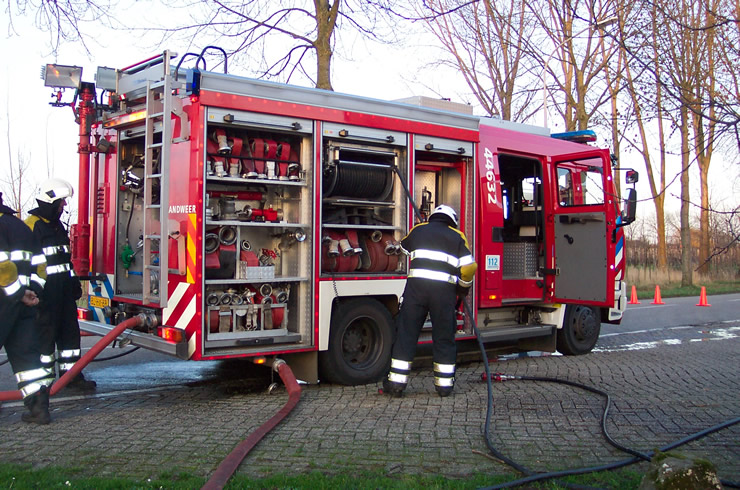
<point x="569" y="238"/>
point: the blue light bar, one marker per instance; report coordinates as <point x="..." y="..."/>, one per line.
<point x="583" y="136"/>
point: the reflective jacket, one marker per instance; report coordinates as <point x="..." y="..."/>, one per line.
<point x="22" y="265"/>
<point x="54" y="241"/>
<point x="439" y="252"/>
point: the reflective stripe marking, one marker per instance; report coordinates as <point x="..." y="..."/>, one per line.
<point x="69" y="353"/>
<point x="435" y="255"/>
<point x="65" y="366"/>
<point x="467" y="260"/>
<point x="444" y="382"/>
<point x="13" y="288"/>
<point x="464" y="283"/>
<point x="25" y="280"/>
<point x="38" y="280"/>
<point x="38" y="259"/>
<point x="32" y="388"/>
<point x="433" y="275"/>
<point x="4" y="256"/>
<point x="56" y="269"/>
<point x="55" y="249"/>
<point x="48" y="359"/>
<point x="399" y="364"/>
<point x="17" y="256"/>
<point x="398" y="378"/>
<point x="444" y="368"/>
<point x="30" y="375"/>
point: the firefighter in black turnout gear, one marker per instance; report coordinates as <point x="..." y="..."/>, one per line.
<point x="58" y="306"/>
<point x="441" y="271"/>
<point x="21" y="281"/>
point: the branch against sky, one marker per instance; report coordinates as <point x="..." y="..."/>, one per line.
<point x="63" y="20"/>
<point x="281" y="39"/>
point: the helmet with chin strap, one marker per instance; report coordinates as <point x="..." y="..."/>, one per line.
<point x="54" y="189"/>
<point x="445" y="210"/>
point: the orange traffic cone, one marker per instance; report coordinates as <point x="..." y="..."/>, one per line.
<point x="633" y="297"/>
<point x="703" y="297"/>
<point x="657" y="300"/>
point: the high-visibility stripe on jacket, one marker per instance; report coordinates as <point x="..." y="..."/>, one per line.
<point x="20" y="259"/>
<point x="439" y="252"/>
<point x="54" y="241"/>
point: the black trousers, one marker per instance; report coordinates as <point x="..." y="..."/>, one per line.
<point x="60" y="329"/>
<point x="19" y="335"/>
<point x="422" y="297"/>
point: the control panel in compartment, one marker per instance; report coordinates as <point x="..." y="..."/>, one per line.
<point x="257" y="242"/>
<point x="363" y="204"/>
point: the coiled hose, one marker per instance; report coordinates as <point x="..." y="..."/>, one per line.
<point x="533" y="476"/>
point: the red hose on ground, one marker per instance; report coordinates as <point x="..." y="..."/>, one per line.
<point x="229" y="465"/>
<point x="84" y="360"/>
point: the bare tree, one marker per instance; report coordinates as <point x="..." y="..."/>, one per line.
<point x="581" y="50"/>
<point x="62" y="20"/>
<point x="485" y="42"/>
<point x="305" y="31"/>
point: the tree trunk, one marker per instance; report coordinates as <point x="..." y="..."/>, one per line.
<point x="325" y="21"/>
<point x="686" y="266"/>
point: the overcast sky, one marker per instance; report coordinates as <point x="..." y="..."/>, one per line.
<point x="47" y="136"/>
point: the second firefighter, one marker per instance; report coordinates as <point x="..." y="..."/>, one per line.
<point x="58" y="306"/>
<point x="440" y="271"/>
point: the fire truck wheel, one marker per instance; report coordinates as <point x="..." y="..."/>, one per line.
<point x="580" y="330"/>
<point x="360" y="343"/>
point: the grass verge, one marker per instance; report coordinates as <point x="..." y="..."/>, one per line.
<point x="25" y="477"/>
<point x="672" y="290"/>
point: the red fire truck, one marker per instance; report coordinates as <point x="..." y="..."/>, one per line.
<point x="253" y="219"/>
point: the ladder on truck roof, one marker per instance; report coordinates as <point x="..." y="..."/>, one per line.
<point x="160" y="107"/>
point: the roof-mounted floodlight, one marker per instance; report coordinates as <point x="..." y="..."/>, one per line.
<point x="105" y="78"/>
<point x="62" y="76"/>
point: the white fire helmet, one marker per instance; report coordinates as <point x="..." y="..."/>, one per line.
<point x="447" y="211"/>
<point x="53" y="189"/>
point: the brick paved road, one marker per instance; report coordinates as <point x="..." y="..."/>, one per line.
<point x="659" y="395"/>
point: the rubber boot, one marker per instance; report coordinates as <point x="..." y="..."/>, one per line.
<point x="443" y="391"/>
<point x="38" y="407"/>
<point x="80" y="383"/>
<point x="392" y="388"/>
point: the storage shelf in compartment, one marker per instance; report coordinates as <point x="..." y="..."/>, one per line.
<point x="338" y="201"/>
<point x="265" y="224"/>
<point x="360" y="227"/>
<point x="275" y="332"/>
<point x="240" y="180"/>
<point x="253" y="281"/>
<point x="267" y="338"/>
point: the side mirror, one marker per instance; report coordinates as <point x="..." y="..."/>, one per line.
<point x="630" y="208"/>
<point x="631" y="176"/>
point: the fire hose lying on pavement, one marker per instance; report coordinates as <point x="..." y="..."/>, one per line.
<point x="84" y="360"/>
<point x="229" y="465"/>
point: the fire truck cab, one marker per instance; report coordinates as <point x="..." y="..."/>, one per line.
<point x="254" y="219"/>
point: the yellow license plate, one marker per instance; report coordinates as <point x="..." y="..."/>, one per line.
<point x="98" y="302"/>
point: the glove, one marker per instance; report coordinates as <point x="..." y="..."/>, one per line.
<point x="76" y="288"/>
<point x="460" y="293"/>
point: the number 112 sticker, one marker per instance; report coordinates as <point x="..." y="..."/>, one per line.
<point x="493" y="262"/>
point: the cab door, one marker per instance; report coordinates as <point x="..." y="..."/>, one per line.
<point x="581" y="229"/>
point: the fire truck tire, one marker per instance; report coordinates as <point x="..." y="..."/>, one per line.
<point x="580" y="330"/>
<point x="360" y="343"/>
